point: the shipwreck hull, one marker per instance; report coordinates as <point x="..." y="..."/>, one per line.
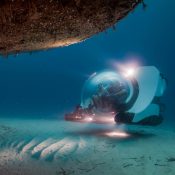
<point x="28" y="25"/>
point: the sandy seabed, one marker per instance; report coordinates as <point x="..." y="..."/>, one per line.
<point x="52" y="147"/>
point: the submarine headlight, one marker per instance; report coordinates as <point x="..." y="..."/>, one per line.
<point x="127" y="70"/>
<point x="130" y="72"/>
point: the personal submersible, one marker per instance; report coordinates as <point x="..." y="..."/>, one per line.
<point x="127" y="97"/>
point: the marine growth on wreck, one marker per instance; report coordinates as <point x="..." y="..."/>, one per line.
<point x="28" y="25"/>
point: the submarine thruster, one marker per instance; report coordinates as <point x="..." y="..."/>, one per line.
<point x="130" y="97"/>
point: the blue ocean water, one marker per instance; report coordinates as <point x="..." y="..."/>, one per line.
<point x="48" y="83"/>
<point x="37" y="89"/>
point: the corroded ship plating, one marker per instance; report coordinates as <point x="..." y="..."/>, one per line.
<point x="41" y="24"/>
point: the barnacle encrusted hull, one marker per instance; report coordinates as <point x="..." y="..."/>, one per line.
<point x="27" y="25"/>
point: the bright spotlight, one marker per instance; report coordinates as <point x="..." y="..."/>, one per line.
<point x="130" y="72"/>
<point x="127" y="70"/>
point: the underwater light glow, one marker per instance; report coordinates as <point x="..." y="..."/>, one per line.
<point x="117" y="134"/>
<point x="130" y="72"/>
<point x="89" y="119"/>
<point x="127" y="69"/>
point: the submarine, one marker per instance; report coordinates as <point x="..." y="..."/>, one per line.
<point x="131" y="96"/>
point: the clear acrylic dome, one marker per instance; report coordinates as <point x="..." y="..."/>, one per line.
<point x="105" y="92"/>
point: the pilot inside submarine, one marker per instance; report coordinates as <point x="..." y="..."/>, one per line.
<point x="129" y="97"/>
